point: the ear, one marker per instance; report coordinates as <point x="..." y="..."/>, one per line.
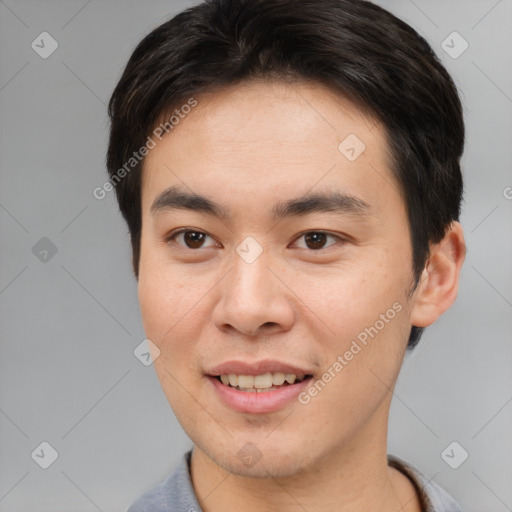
<point x="439" y="282"/>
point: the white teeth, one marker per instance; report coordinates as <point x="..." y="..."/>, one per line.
<point x="278" y="378"/>
<point x="264" y="382"/>
<point x="245" y="381"/>
<point x="290" y="378"/>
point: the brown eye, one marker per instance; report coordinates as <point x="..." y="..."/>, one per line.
<point x="316" y="240"/>
<point x="191" y="239"/>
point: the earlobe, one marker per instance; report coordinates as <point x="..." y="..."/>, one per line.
<point x="439" y="282"/>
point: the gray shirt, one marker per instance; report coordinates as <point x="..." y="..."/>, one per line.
<point x="176" y="494"/>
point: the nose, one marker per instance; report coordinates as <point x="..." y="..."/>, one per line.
<point x="255" y="300"/>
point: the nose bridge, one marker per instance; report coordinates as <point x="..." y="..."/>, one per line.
<point x="251" y="295"/>
<point x="250" y="277"/>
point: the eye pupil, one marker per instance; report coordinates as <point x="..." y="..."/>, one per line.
<point x="318" y="240"/>
<point x="196" y="239"/>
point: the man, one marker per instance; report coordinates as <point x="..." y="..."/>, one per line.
<point x="289" y="172"/>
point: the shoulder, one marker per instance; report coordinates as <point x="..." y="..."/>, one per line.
<point x="433" y="497"/>
<point x="173" y="493"/>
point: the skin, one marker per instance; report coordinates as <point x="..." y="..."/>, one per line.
<point x="247" y="148"/>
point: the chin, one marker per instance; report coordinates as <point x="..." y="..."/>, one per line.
<point x="269" y="462"/>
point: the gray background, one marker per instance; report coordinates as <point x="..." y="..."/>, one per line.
<point x="70" y="323"/>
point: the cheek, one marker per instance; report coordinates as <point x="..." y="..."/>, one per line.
<point x="169" y="307"/>
<point x="362" y="356"/>
<point x="350" y="299"/>
<point x="169" y="299"/>
<point x="364" y="314"/>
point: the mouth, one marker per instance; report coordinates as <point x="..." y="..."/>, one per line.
<point x="262" y="383"/>
<point x="259" y="387"/>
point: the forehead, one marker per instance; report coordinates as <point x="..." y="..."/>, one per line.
<point x="268" y="138"/>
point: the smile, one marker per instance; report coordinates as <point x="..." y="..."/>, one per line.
<point x="260" y="383"/>
<point x="253" y="400"/>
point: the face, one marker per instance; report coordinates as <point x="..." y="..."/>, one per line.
<point x="296" y="263"/>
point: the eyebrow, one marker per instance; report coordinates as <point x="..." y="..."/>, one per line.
<point x="176" y="197"/>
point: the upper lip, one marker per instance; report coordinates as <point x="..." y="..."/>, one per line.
<point x="256" y="368"/>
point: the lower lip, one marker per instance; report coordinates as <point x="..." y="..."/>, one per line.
<point x="258" y="403"/>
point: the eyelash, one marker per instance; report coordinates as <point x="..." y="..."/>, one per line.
<point x="172" y="237"/>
